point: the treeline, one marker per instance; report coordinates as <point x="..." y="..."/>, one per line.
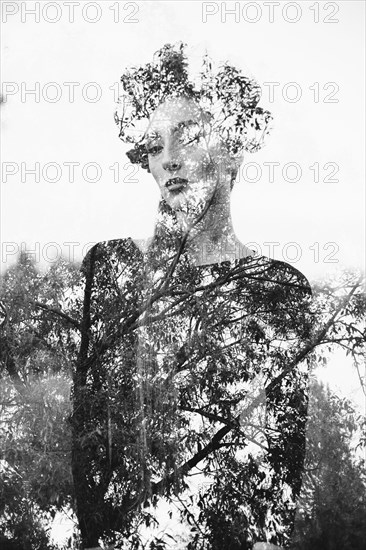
<point x="57" y="427"/>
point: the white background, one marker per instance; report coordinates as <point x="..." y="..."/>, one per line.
<point x="305" y="131"/>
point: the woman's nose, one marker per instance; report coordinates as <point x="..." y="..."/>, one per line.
<point x="171" y="158"/>
<point x="172" y="165"/>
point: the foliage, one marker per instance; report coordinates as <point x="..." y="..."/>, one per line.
<point x="228" y="99"/>
<point x="332" y="508"/>
<point x="171" y="367"/>
<point x="170" y="346"/>
<point x="36" y="362"/>
<point x="190" y="344"/>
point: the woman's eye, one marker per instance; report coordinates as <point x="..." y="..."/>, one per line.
<point x="154" y="149"/>
<point x="190" y="135"/>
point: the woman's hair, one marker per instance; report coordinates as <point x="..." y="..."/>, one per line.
<point x="227" y="98"/>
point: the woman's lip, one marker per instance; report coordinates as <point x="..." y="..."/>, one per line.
<point x="176" y="187"/>
<point x="176" y="184"/>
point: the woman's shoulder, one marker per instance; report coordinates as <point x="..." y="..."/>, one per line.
<point x="275" y="273"/>
<point x="104" y="253"/>
<point x="288" y="274"/>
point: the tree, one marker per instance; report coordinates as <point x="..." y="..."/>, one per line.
<point x="140" y="444"/>
<point x="130" y="438"/>
<point x="35" y="365"/>
<point x="332" y="510"/>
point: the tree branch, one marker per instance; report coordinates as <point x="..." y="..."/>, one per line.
<point x="214" y="444"/>
<point x="60" y="313"/>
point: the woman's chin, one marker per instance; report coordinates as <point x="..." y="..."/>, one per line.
<point x="177" y="201"/>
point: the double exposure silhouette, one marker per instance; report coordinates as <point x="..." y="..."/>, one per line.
<point x="192" y="351"/>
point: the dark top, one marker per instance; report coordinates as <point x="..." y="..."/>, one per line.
<point x="202" y="366"/>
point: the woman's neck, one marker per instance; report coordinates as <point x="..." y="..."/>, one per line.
<point x="215" y="247"/>
<point x="211" y="238"/>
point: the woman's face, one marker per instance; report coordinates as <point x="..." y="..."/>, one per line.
<point x="183" y="158"/>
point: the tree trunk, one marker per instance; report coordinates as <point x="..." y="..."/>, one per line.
<point x="89" y="494"/>
<point x="89" y="504"/>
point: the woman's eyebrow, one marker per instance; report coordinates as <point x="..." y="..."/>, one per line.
<point x="152" y="135"/>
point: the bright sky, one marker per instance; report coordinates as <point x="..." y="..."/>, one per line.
<point x="319" y="64"/>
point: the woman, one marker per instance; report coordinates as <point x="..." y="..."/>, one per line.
<point x="194" y="343"/>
